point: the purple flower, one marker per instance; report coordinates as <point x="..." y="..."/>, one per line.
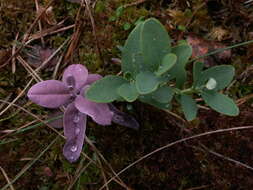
<point x="69" y="93"/>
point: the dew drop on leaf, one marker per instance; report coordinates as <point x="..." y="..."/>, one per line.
<point x="211" y="84"/>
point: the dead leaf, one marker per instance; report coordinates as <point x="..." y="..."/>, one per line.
<point x="219" y="33"/>
<point x="37" y="55"/>
<point x="48" y="16"/>
<point x="202" y="46"/>
<point x="48" y="172"/>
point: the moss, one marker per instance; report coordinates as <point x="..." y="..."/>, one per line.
<point x="16" y="17"/>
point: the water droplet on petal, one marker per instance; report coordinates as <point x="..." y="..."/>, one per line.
<point x="76" y="119"/>
<point x="73" y="148"/>
<point x="77" y="131"/>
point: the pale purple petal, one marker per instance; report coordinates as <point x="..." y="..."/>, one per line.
<point x="49" y="94"/>
<point x="79" y="72"/>
<point x="99" y="112"/>
<point x="74" y="131"/>
<point x="123" y="119"/>
<point x="92" y="78"/>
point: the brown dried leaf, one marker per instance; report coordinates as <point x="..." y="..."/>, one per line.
<point x="48" y="172"/>
<point x="37" y="55"/>
<point x="219" y="33"/>
<point x="201" y="47"/>
<point x="48" y="16"/>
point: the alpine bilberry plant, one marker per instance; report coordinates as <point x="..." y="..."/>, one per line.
<point x="154" y="72"/>
<point x="69" y="93"/>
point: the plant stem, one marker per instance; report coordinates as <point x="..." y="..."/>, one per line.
<point x="223" y="49"/>
<point x="188" y="91"/>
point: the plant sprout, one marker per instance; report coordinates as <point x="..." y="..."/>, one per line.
<point x="154" y="72"/>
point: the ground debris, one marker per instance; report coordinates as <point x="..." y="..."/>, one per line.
<point x="201" y="46"/>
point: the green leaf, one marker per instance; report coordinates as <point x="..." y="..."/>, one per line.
<point x="189" y="107"/>
<point x="223" y="74"/>
<point x="105" y="89"/>
<point x="183" y="53"/>
<point x="128" y="92"/>
<point x="168" y="62"/>
<point x="155" y="43"/>
<point x="119" y="11"/>
<point x="163" y="94"/>
<point x="146" y="82"/>
<point x="127" y="26"/>
<point x="132" y="56"/>
<point x="149" y="100"/>
<point x="197" y="70"/>
<point x="220" y="103"/>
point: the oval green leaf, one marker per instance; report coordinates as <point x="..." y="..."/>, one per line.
<point x="128" y="92"/>
<point x="220" y="103"/>
<point x="163" y="94"/>
<point x="183" y="53"/>
<point x="197" y="71"/>
<point x="132" y="56"/>
<point x="168" y="62"/>
<point x="155" y="43"/>
<point x="223" y="75"/>
<point x="146" y="82"/>
<point x="149" y="100"/>
<point x="189" y="107"/>
<point x="105" y="89"/>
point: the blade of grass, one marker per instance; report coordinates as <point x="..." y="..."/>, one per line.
<point x="117" y="179"/>
<point x="78" y="175"/>
<point x="21" y="130"/>
<point x="222" y="49"/>
<point x="33" y="115"/>
<point x="175" y="143"/>
<point x="7" y="178"/>
<point x="20" y="94"/>
<point x="28" y="32"/>
<point x="37" y="125"/>
<point x="9" y="141"/>
<point x="30" y="164"/>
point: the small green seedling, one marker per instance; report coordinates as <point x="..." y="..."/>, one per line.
<point x="154" y="72"/>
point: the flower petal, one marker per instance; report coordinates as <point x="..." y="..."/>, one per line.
<point x="92" y="78"/>
<point x="79" y="72"/>
<point x="74" y="131"/>
<point x="49" y="93"/>
<point x="99" y="112"/>
<point x="123" y="119"/>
